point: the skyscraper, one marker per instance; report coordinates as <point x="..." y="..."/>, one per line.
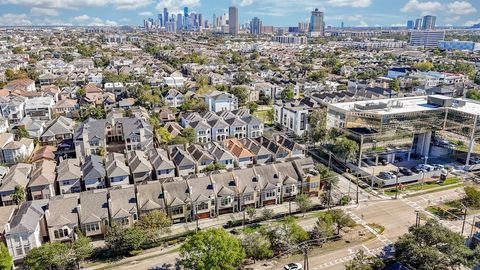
<point x="317" y="26"/>
<point x="256" y="26"/>
<point x="160" y="20"/>
<point x="410" y="24"/>
<point x="165" y="16"/>
<point x="303" y="27"/>
<point x="200" y="20"/>
<point x="429" y="22"/>
<point x="185" y="18"/>
<point x="214" y="21"/>
<point x="233" y="26"/>
<point x="418" y="24"/>
<point x="179" y="22"/>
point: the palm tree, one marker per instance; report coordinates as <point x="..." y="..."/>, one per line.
<point x="19" y="194"/>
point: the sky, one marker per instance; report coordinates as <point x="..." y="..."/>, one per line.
<point x="271" y="12"/>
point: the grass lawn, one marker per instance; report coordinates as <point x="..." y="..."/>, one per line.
<point x="263" y="115"/>
<point x="377" y="227"/>
<point x="423" y="186"/>
<point x="252" y="228"/>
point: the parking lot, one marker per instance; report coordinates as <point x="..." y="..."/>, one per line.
<point x="409" y="171"/>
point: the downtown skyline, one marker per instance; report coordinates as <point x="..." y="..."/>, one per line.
<point x="359" y="13"/>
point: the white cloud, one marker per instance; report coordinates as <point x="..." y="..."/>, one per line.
<point x="81" y="18"/>
<point x="242" y="3"/>
<point x="145" y="14"/>
<point x="10" y="19"/>
<point x="37" y="11"/>
<point x="350" y="3"/>
<point x="176" y="6"/>
<point x="472" y="22"/>
<point x="424" y="7"/>
<point x="461" y="8"/>
<point x="77" y="4"/>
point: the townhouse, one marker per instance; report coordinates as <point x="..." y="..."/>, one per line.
<point x="17" y="151"/>
<point x="140" y="166"/>
<point x="221" y="101"/>
<point x="125" y="133"/>
<point x="18" y="175"/>
<point x="93" y="173"/>
<point x="69" y="176"/>
<point x="184" y="163"/>
<point x="293" y="116"/>
<point x="122" y="205"/>
<point x="118" y="173"/>
<point x="62" y="217"/>
<point x="39" y="108"/>
<point x="222" y="156"/>
<point x="243" y="156"/>
<point x="202" y="158"/>
<point x="42" y="180"/>
<point x="163" y="167"/>
<point x="58" y="130"/>
<point x="173" y="98"/>
<point x="177" y="200"/>
<point x="93" y="212"/>
<point x="13" y="108"/>
<point x="27" y="229"/>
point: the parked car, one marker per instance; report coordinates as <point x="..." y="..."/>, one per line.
<point x="383" y="161"/>
<point x="386" y="175"/>
<point x="405" y="171"/>
<point x="438" y="166"/>
<point x="293" y="266"/>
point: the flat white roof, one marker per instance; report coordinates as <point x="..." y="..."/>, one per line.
<point x="406" y="105"/>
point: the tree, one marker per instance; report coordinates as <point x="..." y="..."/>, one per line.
<point x="256" y="246"/>
<point x="267" y="214"/>
<point x="57" y="255"/>
<point x="253" y="107"/>
<point x="318" y="122"/>
<point x="270" y="115"/>
<point x="432" y="246"/>
<point x="345" y="148"/>
<point x="241" y="78"/>
<point x="215" y="166"/>
<point x="6" y="260"/>
<point x="240" y="93"/>
<point x="81" y="92"/>
<point x="323" y="227"/>
<point x="251" y="212"/>
<point x="304" y="203"/>
<point x="363" y="262"/>
<point x="473" y="94"/>
<point x="318" y="76"/>
<point x="22" y="132"/>
<point x="424" y="66"/>
<point x="340" y="219"/>
<point x="202" y="81"/>
<point x="472" y="196"/>
<point x="163" y="135"/>
<point x="82" y="248"/>
<point x="155" y="222"/>
<point x="212" y="249"/>
<point x="19" y="194"/>
<point x="288" y="93"/>
<point x="121" y="240"/>
<point x="17" y="50"/>
<point x="395" y="85"/>
<point x="102" y="151"/>
<point x="189" y="134"/>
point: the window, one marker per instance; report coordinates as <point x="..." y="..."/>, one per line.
<point x="92" y="227"/>
<point x="248" y="197"/>
<point x="270" y="193"/>
<point x="61" y="233"/>
<point x="202" y="206"/>
<point x="177" y="211"/>
<point x="225" y="201"/>
<point x="135" y="217"/>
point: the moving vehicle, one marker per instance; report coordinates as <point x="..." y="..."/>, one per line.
<point x="293" y="266"/>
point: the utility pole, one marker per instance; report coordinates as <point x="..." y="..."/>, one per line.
<point x="473" y="226"/>
<point x="358" y="182"/>
<point x="243" y="221"/>
<point x="305" y="257"/>
<point x="396" y="184"/>
<point x="464" y="219"/>
<point x="417" y="218"/>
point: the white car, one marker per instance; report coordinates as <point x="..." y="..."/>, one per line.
<point x="293" y="266"/>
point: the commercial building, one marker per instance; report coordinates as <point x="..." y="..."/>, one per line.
<point x="426" y="39"/>
<point x="289" y="39"/>
<point x="233" y="26"/>
<point x="317" y="25"/>
<point x="407" y="124"/>
<point x="410" y="24"/>
<point x="428" y="22"/>
<point x="459" y="45"/>
<point x="256" y="26"/>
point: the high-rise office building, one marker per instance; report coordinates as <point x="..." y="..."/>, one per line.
<point x="317" y="26"/>
<point x="256" y="26"/>
<point x="410" y="24"/>
<point x="200" y="20"/>
<point x="185" y="18"/>
<point x="179" y="22"/>
<point x="160" y="20"/>
<point x="233" y="26"/>
<point x="165" y="17"/>
<point x="418" y="24"/>
<point x="214" y="21"/>
<point x="303" y="27"/>
<point x="429" y="22"/>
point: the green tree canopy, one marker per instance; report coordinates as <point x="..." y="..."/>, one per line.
<point x="257" y="246"/>
<point x="6" y="260"/>
<point x="212" y="249"/>
<point x="304" y="203"/>
<point x="424" y="66"/>
<point x="432" y="246"/>
<point x="155" y="223"/>
<point x="363" y="262"/>
<point x="345" y="148"/>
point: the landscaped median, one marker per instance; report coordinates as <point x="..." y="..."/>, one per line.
<point x="424" y="187"/>
<point x="454" y="210"/>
